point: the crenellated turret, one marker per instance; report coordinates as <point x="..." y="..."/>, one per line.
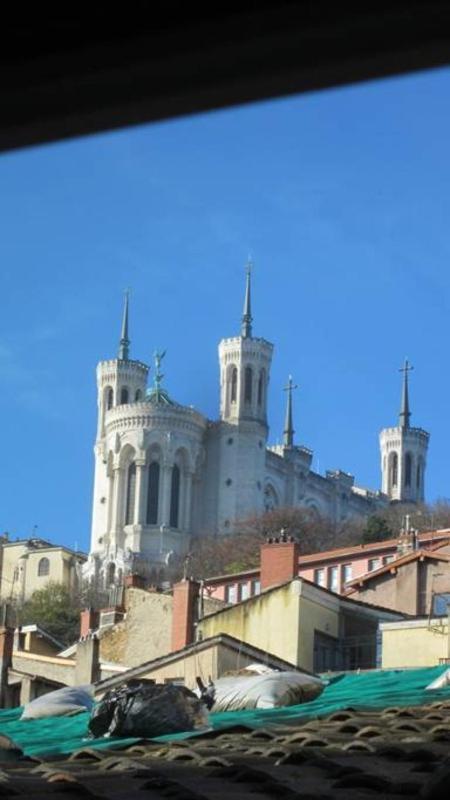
<point x="120" y="380"/>
<point x="245" y="363"/>
<point x="244" y="371"/>
<point x="404" y="453"/>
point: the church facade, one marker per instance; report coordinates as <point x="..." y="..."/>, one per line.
<point x="164" y="472"/>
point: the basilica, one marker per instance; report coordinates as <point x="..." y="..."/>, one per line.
<point x="164" y="472"/>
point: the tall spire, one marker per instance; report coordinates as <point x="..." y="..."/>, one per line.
<point x="124" y="345"/>
<point x="288" y="433"/>
<point x="404" y="410"/>
<point x="246" y="330"/>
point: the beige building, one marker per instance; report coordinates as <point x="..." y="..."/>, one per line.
<point x="415" y="643"/>
<point x="292" y="619"/>
<point x="306" y="625"/>
<point x="30" y="564"/>
<point x="34" y="639"/>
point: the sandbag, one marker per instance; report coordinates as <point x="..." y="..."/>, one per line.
<point x="267" y="690"/>
<point x="60" y="703"/>
<point x="440" y="683"/>
<point x="148" y="711"/>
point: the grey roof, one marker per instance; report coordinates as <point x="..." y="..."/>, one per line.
<point x="159" y="397"/>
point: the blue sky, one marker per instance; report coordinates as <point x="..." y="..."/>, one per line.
<point x="341" y="196"/>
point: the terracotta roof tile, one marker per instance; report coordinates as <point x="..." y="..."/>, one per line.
<point x="395" y="752"/>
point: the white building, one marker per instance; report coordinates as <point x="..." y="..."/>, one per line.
<point x="163" y="471"/>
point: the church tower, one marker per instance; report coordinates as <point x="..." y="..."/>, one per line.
<point x="245" y="363"/>
<point x="244" y="371"/>
<point x="120" y="381"/>
<point x="404" y="454"/>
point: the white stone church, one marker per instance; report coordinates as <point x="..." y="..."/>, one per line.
<point x="164" y="472"/>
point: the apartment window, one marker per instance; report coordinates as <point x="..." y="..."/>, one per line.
<point x="256" y="587"/>
<point x="347" y="573"/>
<point x="333" y="579"/>
<point x="231" y="594"/>
<point x="326" y="654"/>
<point x="244" y="591"/>
<point x="440" y="604"/>
<point x="374" y="563"/>
<point x="319" y="577"/>
<point x="387" y="559"/>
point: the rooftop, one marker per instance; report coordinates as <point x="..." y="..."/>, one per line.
<point x="342" y="600"/>
<point x="415" y="555"/>
<point x="433" y="537"/>
<point x="374" y="733"/>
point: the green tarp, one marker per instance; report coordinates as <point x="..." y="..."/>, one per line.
<point x="364" y="691"/>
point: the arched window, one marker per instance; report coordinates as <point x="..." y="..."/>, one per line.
<point x="131" y="493"/>
<point x="248" y="384"/>
<point x="394" y="469"/>
<point x="43" y="567"/>
<point x="123" y="395"/>
<point x="234" y="377"/>
<point x="261" y="382"/>
<point x="175" y="496"/>
<point x="270" y="498"/>
<point x="109" y="398"/>
<point x="314" y="512"/>
<point x="408" y="469"/>
<point x="110" y="575"/>
<point x="153" y="493"/>
<point x="137" y="396"/>
<point x="419" y="474"/>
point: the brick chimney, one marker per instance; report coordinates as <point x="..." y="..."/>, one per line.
<point x="184" y="612"/>
<point x="407" y="540"/>
<point x="134" y="582"/>
<point x="88" y="622"/>
<point x="279" y="560"/>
